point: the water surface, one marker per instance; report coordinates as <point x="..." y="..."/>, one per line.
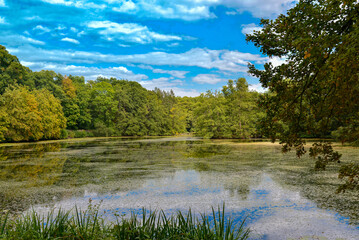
<point x="280" y="196"/>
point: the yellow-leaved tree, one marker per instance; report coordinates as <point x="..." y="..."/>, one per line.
<point x="29" y="116"/>
<point x="52" y="116"/>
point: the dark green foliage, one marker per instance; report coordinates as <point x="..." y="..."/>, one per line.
<point x="350" y="173"/>
<point x="324" y="154"/>
<point x="11" y="71"/>
<point x="316" y="90"/>
<point x="90" y="225"/>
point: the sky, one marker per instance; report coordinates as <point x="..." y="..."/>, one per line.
<point x="189" y="46"/>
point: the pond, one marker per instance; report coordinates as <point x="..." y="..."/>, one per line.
<point x="279" y="195"/>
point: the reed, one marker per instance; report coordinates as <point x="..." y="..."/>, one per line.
<point x="88" y="224"/>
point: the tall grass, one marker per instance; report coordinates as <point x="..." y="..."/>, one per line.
<point x="89" y="224"/>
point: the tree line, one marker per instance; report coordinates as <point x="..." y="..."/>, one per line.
<point x="47" y="105"/>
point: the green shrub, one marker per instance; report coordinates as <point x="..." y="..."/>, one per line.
<point x="64" y="134"/>
<point x="80" y="134"/>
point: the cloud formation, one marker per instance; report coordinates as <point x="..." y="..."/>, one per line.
<point x="187" y="10"/>
<point x="71" y="40"/>
<point x="174" y="73"/>
<point x="16" y="40"/>
<point x="224" y="60"/>
<point x="129" y="32"/>
<point x="207" y="78"/>
<point x="76" y="3"/>
<point x="257" y="87"/>
<point x="90" y="73"/>
<point x="249" y="28"/>
<point x="41" y="29"/>
<point x="168" y="84"/>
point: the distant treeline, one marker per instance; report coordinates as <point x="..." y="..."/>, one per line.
<point x="48" y="105"/>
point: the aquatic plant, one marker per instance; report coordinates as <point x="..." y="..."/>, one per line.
<point x="89" y="224"/>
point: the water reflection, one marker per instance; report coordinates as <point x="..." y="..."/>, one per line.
<point x="277" y="192"/>
<point x="272" y="212"/>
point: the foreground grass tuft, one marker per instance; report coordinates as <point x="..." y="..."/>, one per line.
<point x="89" y="224"/>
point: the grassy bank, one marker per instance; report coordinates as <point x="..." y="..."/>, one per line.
<point x="90" y="225"/>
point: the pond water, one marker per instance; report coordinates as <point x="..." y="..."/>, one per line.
<point x="280" y="196"/>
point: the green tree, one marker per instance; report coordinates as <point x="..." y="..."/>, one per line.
<point x="52" y="116"/>
<point x="315" y="91"/>
<point x="83" y="96"/>
<point x="11" y="71"/>
<point x="210" y="116"/>
<point x="102" y="104"/>
<point x="242" y="110"/>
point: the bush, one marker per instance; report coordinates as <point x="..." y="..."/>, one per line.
<point x="80" y="134"/>
<point x="71" y="134"/>
<point x="64" y="134"/>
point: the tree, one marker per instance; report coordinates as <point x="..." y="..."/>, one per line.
<point x="30" y="116"/>
<point x="242" y="110"/>
<point x="102" y="104"/>
<point x="11" y="70"/>
<point x="52" y="116"/>
<point x="83" y="95"/>
<point x="68" y="87"/>
<point x="210" y="116"/>
<point x="23" y="119"/>
<point x="315" y="91"/>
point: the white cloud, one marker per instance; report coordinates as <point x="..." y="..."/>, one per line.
<point x="73" y="29"/>
<point x="183" y="9"/>
<point x="175" y="44"/>
<point x="257" y="87"/>
<point x="79" y="34"/>
<point x="16" y="40"/>
<point x="125" y="7"/>
<point x="200" y="9"/>
<point x="249" y="28"/>
<point x="162" y="83"/>
<point x="231" y="12"/>
<point x="33" y="18"/>
<point x="76" y="3"/>
<point x="260" y="8"/>
<point x="168" y="84"/>
<point x="276" y="61"/>
<point x="90" y="73"/>
<point x="71" y="40"/>
<point x="182" y="92"/>
<point x="129" y="32"/>
<point x="174" y="73"/>
<point x="41" y="29"/>
<point x="224" y="60"/>
<point x="60" y="27"/>
<point x="2" y="3"/>
<point x="2" y="20"/>
<point x="33" y="41"/>
<point x="207" y="78"/>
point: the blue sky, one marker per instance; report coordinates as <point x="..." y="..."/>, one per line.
<point x="189" y="46"/>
